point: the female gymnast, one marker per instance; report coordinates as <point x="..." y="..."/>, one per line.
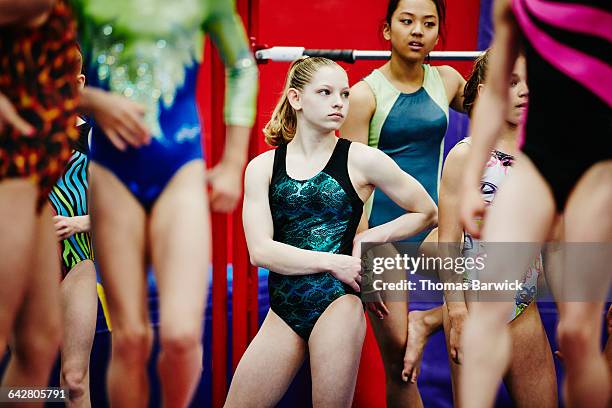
<point x="530" y="376"/>
<point x="565" y="167"/>
<point x="38" y="101"/>
<point x="402" y="109"/>
<point x="303" y="202"/>
<point x="148" y="51"/>
<point x="78" y="289"/>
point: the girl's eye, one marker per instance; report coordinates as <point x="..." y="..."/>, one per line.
<point x="513" y="84"/>
<point x="324" y="92"/>
<point x="406" y="21"/>
<point x="430" y="24"/>
<point x="345" y="94"/>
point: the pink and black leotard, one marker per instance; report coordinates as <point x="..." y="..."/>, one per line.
<point x="568" y="48"/>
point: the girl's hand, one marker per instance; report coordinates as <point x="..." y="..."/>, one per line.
<point x="121" y="119"/>
<point x="65" y="227"/>
<point x="377" y="306"/>
<point x="457" y="317"/>
<point x="374" y="303"/>
<point x="225" y="180"/>
<point x="347" y="269"/>
<point x="10" y="117"/>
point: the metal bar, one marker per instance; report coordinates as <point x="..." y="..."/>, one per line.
<point x="286" y="54"/>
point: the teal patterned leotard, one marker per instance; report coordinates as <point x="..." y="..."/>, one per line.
<point x="318" y="214"/>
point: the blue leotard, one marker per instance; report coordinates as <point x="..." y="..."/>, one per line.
<point x="145" y="171"/>
<point x="149" y="52"/>
<point x="410" y="129"/>
<point x="318" y="214"/>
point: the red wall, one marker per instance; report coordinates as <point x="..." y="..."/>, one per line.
<point x="352" y="24"/>
<point x="343" y="24"/>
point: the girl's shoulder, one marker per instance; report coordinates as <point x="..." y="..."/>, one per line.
<point x="460" y="152"/>
<point x="448" y="73"/>
<point x="261" y="165"/>
<point x="362" y="98"/>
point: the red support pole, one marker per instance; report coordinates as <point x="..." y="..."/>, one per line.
<point x="239" y="257"/>
<point x="253" y="279"/>
<point x="239" y="291"/>
<point x="219" y="246"/>
<point x="242" y="302"/>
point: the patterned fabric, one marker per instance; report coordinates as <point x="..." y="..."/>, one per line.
<point x="300" y="300"/>
<point x="69" y="198"/>
<point x="495" y="173"/>
<point x="410" y="129"/>
<point x="318" y="214"/>
<point x="310" y="214"/>
<point x="38" y="75"/>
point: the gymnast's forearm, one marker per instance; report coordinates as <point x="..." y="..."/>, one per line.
<point x="402" y="227"/>
<point x="486" y="128"/>
<point x="83" y="223"/>
<point x="453" y="297"/>
<point x="87" y="99"/>
<point x="289" y="260"/>
<point x="236" y="145"/>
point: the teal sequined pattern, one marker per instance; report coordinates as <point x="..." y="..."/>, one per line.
<point x="313" y="214"/>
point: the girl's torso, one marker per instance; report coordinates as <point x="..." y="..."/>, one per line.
<point x="410" y="128"/>
<point x="495" y="173"/>
<point x="320" y="213"/>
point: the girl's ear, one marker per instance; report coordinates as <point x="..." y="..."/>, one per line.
<point x="295" y="99"/>
<point x="387" y="31"/>
<point x="479" y="89"/>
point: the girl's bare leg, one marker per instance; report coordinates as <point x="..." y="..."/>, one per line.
<point x="335" y="349"/>
<point x="587" y="269"/>
<point x="118" y="229"/>
<point x="531" y="378"/>
<point x="80" y="307"/>
<point x="392" y="336"/>
<point x="276" y="351"/>
<point x="18" y="226"/>
<point x="486" y="338"/>
<point x="37" y="330"/>
<point x="179" y="236"/>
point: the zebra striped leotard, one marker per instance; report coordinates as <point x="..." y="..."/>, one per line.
<point x="69" y="198"/>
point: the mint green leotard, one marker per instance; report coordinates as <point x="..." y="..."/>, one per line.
<point x="410" y="128"/>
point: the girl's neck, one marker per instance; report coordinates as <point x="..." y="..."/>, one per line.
<point x="311" y="141"/>
<point x="507" y="142"/>
<point x="405" y="71"/>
